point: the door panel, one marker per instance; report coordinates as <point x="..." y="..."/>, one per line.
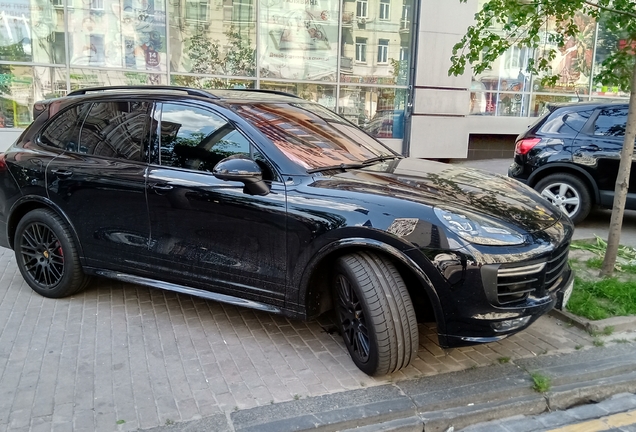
<point x="208" y="231"/>
<point x="100" y="184"/>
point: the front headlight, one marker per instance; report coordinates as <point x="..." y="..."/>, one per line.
<point x="479" y="230"/>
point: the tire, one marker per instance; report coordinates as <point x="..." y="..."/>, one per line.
<point x="374" y="313"/>
<point x="47" y="256"/>
<point x="568" y="193"/>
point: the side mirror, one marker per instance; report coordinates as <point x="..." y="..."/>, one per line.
<point x="242" y="169"/>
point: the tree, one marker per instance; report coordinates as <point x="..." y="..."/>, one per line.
<point x="502" y="24"/>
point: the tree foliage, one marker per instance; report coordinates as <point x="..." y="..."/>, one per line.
<point x="546" y="26"/>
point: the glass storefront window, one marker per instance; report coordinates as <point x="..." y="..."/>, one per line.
<point x="539" y="102"/>
<point x="324" y="94"/>
<point x="376" y="42"/>
<point x="352" y="57"/>
<point x="210" y="82"/>
<point x="21" y="86"/>
<point x="128" y="34"/>
<point x="213" y="38"/>
<point x="377" y="110"/>
<point x="82" y="78"/>
<point x="299" y="40"/>
<point x="32" y="31"/>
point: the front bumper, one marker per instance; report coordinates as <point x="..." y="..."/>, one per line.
<point x="501" y="321"/>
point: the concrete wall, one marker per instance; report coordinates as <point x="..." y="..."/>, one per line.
<point x="8" y="137"/>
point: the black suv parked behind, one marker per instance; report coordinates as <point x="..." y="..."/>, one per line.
<point x="571" y="157"/>
<point x="272" y="202"/>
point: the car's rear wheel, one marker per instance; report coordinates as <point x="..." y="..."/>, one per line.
<point x="47" y="256"/>
<point x="568" y="193"/>
<point x="375" y="313"/>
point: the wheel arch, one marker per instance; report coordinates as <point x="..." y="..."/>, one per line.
<point x="29" y="203"/>
<point x="315" y="292"/>
<point x="559" y="168"/>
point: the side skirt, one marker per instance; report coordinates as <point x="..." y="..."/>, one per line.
<point x="223" y="298"/>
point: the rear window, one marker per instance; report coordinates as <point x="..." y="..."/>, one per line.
<point x="569" y="123"/>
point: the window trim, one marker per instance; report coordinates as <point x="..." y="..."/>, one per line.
<point x="361" y="49"/>
<point x="385" y="10"/>
<point x="383" y="51"/>
<point x="158" y="104"/>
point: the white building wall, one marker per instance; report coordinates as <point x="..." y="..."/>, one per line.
<point x="441" y="124"/>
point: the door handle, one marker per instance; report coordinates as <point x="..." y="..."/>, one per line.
<point x="591" y="147"/>
<point x="161" y="187"/>
<point x="62" y="173"/>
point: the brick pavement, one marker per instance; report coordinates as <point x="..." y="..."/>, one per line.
<point x="122" y="357"/>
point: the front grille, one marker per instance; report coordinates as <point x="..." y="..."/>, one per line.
<point x="517" y="283"/>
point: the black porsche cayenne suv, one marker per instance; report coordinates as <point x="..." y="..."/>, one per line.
<point x="571" y="157"/>
<point x="269" y="201"/>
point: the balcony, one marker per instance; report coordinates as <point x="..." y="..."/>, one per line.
<point x="347" y="20"/>
<point x="346" y="65"/>
<point x="405" y="26"/>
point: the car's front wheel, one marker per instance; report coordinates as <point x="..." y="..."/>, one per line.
<point x="375" y="313"/>
<point x="568" y="193"/>
<point x="47" y="256"/>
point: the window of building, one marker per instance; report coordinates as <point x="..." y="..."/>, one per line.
<point x="362" y="9"/>
<point x="97" y="4"/>
<point x="58" y="3"/>
<point x="361" y="50"/>
<point x="196" y="10"/>
<point x="406" y="17"/>
<point x="385" y="9"/>
<point x="383" y="51"/>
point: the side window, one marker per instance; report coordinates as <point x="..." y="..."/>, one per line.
<point x="611" y="122"/>
<point x="197" y="139"/>
<point x="63" y="131"/>
<point x="115" y="129"/>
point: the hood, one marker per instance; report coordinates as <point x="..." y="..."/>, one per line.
<point x="453" y="187"/>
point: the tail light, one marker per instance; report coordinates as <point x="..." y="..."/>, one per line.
<point x="525" y="145"/>
<point x="3" y="163"/>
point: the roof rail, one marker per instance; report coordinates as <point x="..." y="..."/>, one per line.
<point x="278" y="92"/>
<point x="189" y="91"/>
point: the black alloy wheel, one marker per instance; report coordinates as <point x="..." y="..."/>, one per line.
<point x="42" y="255"/>
<point x="47" y="256"/>
<point x="352" y="320"/>
<point x="374" y="313"/>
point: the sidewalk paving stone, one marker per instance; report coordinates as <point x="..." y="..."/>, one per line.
<point x="120" y="357"/>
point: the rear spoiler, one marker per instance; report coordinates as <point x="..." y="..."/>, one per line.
<point x="50" y="106"/>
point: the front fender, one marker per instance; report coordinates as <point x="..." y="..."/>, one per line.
<point x="309" y="295"/>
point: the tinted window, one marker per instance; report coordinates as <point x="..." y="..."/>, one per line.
<point x="197" y="139"/>
<point x="115" y="129"/>
<point x="568" y="123"/>
<point x="611" y="122"/>
<point x="63" y="131"/>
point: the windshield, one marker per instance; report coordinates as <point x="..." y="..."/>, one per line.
<point x="311" y="135"/>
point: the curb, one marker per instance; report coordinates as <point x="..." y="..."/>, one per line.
<point x="456" y="399"/>
<point x="619" y="324"/>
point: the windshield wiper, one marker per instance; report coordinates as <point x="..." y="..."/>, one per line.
<point x="342" y="166"/>
<point x="379" y="159"/>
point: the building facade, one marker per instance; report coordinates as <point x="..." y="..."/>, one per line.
<point x="382" y="64"/>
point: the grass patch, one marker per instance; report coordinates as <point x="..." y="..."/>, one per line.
<point x="598" y="343"/>
<point x="541" y="382"/>
<point x="603" y="298"/>
<point x="503" y="360"/>
<point x="594" y="263"/>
